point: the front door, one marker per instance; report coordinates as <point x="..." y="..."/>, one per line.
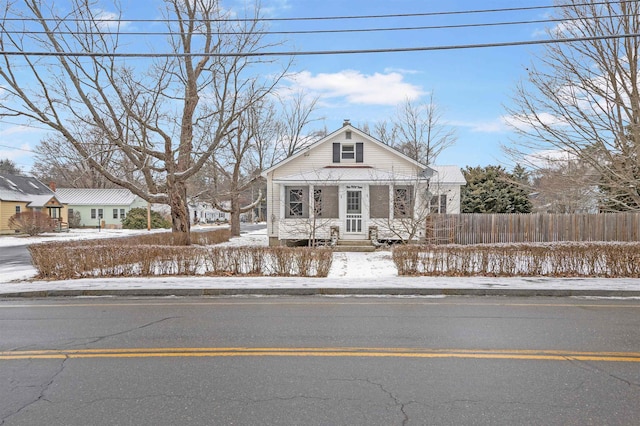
<point x="354" y="212"/>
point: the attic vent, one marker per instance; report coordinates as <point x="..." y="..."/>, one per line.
<point x="347" y="134"/>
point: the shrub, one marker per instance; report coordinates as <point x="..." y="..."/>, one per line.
<point x="32" y="223"/>
<point x="137" y="219"/>
<point x="58" y="261"/>
<point x="562" y="259"/>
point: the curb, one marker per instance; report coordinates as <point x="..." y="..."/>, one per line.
<point x="326" y="291"/>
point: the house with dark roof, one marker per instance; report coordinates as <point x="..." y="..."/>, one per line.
<point x="24" y="193"/>
<point x="99" y="207"/>
<point x="349" y="186"/>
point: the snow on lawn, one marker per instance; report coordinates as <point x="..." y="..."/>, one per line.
<point x="348" y="266"/>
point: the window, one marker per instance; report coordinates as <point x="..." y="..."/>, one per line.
<point x="402" y="202"/>
<point x="93" y="213"/>
<point x="17" y="209"/>
<point x="379" y="201"/>
<point x="325" y="202"/>
<point x="70" y="213"/>
<point x="295" y="202"/>
<point x="438" y="204"/>
<point x="122" y="214"/>
<point x="348" y="152"/>
<point x="115" y="213"/>
<point x="100" y="213"/>
<point x="347" y="134"/>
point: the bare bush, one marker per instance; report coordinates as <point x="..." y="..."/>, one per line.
<point x="596" y="259"/>
<point x="32" y="223"/>
<point x="55" y="261"/>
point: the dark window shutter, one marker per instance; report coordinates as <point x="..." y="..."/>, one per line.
<point x="336" y="152"/>
<point x="359" y="152"/>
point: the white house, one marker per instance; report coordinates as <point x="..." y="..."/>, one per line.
<point x="350" y="186"/>
<point x="203" y="212"/>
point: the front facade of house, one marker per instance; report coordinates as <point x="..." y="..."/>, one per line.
<point x="23" y="194"/>
<point x="203" y="212"/>
<point x="99" y="207"/>
<point x="351" y="186"/>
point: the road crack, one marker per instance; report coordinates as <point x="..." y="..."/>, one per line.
<point x="96" y="339"/>
<point x="41" y="395"/>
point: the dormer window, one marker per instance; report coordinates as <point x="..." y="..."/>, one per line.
<point x="348" y="152"/>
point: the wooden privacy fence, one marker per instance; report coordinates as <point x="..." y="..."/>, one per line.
<point x="477" y="228"/>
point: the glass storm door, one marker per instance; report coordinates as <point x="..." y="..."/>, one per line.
<point x="354" y="212"/>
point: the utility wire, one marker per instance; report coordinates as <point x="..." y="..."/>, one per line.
<point x="320" y="52"/>
<point x="325" y="18"/>
<point x="332" y="31"/>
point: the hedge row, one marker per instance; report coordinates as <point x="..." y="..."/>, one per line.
<point x="595" y="259"/>
<point x="59" y="261"/>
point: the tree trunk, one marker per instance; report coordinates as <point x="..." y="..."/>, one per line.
<point x="181" y="226"/>
<point x="235" y="216"/>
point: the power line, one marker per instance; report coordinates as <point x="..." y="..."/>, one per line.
<point x="320" y="18"/>
<point x="17" y="149"/>
<point x="320" y="52"/>
<point x="331" y="31"/>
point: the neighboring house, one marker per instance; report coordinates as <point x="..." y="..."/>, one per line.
<point x="350" y="186"/>
<point x="203" y="212"/>
<point x="22" y="194"/>
<point x="104" y="207"/>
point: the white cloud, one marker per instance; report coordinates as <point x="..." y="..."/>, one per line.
<point x="108" y="20"/>
<point x="525" y="122"/>
<point x="549" y="158"/>
<point x="358" y="88"/>
<point x="492" y="126"/>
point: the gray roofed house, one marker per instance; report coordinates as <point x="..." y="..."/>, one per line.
<point x="25" y="193"/>
<point x="99" y="207"/>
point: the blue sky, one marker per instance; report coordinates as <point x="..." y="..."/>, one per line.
<point x="471" y="86"/>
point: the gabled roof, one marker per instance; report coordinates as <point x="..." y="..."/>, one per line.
<point x="331" y="135"/>
<point x="23" y="188"/>
<point x="96" y="197"/>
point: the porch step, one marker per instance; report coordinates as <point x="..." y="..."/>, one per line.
<point x="354" y="246"/>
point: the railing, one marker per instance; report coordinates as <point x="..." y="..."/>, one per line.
<point x="354" y="223"/>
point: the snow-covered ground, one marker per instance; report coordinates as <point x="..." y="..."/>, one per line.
<point x="349" y="270"/>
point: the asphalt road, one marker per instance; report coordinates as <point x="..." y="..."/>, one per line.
<point x="320" y="361"/>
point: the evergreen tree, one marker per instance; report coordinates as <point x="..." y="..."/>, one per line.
<point x="492" y="189"/>
<point x="9" y="167"/>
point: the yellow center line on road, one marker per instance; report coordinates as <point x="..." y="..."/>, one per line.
<point x="546" y="355"/>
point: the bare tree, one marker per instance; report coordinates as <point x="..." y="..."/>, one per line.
<point x="295" y="118"/>
<point x="57" y="161"/>
<point x="236" y="167"/>
<point x="583" y="98"/>
<point x="418" y="130"/>
<point x="165" y="113"/>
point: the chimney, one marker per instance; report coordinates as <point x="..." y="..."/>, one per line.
<point x="52" y="186"/>
<point x="346" y="122"/>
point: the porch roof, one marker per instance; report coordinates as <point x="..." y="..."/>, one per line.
<point x="347" y="174"/>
